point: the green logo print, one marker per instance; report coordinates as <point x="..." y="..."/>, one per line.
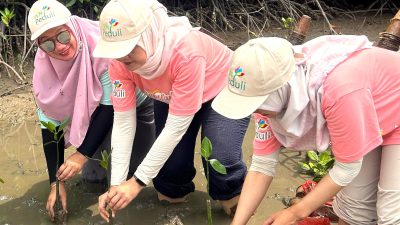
<point x="44" y="14"/>
<point x="110" y="29"/>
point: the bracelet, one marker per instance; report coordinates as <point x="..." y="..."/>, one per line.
<point x="141" y="183"/>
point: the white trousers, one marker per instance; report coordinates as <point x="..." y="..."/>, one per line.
<point x="373" y="197"/>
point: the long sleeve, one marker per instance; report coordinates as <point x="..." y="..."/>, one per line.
<point x="175" y="128"/>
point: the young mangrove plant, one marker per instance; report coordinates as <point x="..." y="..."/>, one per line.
<point x="206" y="152"/>
<point x="317" y="165"/>
<point x="104" y="163"/>
<point x="58" y="135"/>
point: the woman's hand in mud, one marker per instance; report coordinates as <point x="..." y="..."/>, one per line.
<point x="103" y="208"/>
<point x="118" y="197"/>
<point x="283" y="217"/>
<point x="71" y="166"/>
<point x="51" y="200"/>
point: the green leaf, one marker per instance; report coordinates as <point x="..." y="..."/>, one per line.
<point x="312" y="155"/>
<point x="96" y="9"/>
<point x="7" y="11"/>
<point x="64" y="123"/>
<point x="329" y="164"/>
<point x="1" y="181"/>
<point x="3" y="13"/>
<point x="304" y="166"/>
<point x="104" y="164"/>
<point x="217" y="166"/>
<point x="5" y="21"/>
<point x="324" y="157"/>
<point x="70" y="3"/>
<point x="81" y="1"/>
<point x="206" y="148"/>
<point x="50" y="126"/>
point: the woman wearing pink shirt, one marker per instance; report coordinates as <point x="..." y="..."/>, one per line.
<point x="183" y="69"/>
<point x="68" y="82"/>
<point x="332" y="90"/>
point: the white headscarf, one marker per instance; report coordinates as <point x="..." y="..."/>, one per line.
<point x="159" y="40"/>
<point x="300" y="124"/>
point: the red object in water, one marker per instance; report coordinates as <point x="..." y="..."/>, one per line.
<point x="314" y="221"/>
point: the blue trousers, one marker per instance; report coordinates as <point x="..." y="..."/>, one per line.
<point x="175" y="178"/>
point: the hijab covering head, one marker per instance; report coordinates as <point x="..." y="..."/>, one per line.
<point x="142" y="23"/>
<point x="71" y="89"/>
<point x="300" y="124"/>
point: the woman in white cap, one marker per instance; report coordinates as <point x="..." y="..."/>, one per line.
<point x="183" y="69"/>
<point x="336" y="90"/>
<point x="69" y="83"/>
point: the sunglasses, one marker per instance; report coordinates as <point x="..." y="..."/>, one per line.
<point x="64" y="37"/>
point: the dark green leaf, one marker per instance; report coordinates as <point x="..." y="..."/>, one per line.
<point x="312" y="155"/>
<point x="217" y="166"/>
<point x="70" y="3"/>
<point x="1" y="181"/>
<point x="329" y="164"/>
<point x="206" y="148"/>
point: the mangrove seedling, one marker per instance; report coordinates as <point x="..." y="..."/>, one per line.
<point x="206" y="152"/>
<point x="317" y="165"/>
<point x="58" y="135"/>
<point x="104" y="163"/>
<point x="6" y="16"/>
<point x="288" y="24"/>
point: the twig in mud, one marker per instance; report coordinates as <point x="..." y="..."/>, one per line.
<point x="10" y="67"/>
<point x="14" y="89"/>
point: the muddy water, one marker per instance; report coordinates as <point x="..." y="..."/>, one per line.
<point x="23" y="195"/>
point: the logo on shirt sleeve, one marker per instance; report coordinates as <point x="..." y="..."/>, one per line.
<point x="118" y="91"/>
<point x="263" y="130"/>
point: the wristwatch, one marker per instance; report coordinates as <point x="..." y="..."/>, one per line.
<point x="141" y="183"/>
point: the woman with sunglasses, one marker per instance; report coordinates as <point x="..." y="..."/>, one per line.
<point x="68" y="83"/>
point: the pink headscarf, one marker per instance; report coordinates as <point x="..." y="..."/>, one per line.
<point x="71" y="89"/>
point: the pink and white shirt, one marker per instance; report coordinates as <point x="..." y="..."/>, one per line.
<point x="196" y="74"/>
<point x="360" y="102"/>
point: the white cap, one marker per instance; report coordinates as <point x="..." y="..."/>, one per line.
<point x="46" y="14"/>
<point x="121" y="24"/>
<point x="258" y="68"/>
